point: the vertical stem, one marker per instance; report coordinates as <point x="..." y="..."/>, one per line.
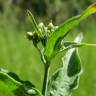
<point x="46" y="73"/>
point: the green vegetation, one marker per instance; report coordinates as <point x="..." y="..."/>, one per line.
<point x="16" y="50"/>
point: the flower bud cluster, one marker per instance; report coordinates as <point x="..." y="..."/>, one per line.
<point x="46" y="32"/>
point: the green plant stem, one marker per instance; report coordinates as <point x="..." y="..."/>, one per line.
<point x="46" y="73"/>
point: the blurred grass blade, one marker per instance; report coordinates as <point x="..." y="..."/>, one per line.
<point x="17" y="86"/>
<point x="64" y="29"/>
<point x="77" y="43"/>
<point x="69" y="45"/>
<point x="34" y="24"/>
<point x="66" y="78"/>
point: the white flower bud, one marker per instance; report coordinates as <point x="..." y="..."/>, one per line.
<point x="41" y="25"/>
<point x="29" y="33"/>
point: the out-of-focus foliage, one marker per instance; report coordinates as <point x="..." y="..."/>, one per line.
<point x="14" y="11"/>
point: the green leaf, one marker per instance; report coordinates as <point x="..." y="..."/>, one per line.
<point x="18" y="86"/>
<point x="34" y="24"/>
<point x="66" y="78"/>
<point x="66" y="45"/>
<point x="64" y="29"/>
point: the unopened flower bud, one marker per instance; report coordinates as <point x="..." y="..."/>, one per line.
<point x="29" y="35"/>
<point x="41" y="25"/>
<point x="50" y="26"/>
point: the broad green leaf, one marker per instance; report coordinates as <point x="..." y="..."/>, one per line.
<point x="66" y="78"/>
<point x="64" y="29"/>
<point x="17" y="86"/>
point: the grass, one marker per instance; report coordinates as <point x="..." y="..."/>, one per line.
<point x="18" y="55"/>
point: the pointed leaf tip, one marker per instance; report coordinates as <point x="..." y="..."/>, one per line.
<point x="90" y="10"/>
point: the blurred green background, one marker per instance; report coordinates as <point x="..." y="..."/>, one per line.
<point x="18" y="55"/>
